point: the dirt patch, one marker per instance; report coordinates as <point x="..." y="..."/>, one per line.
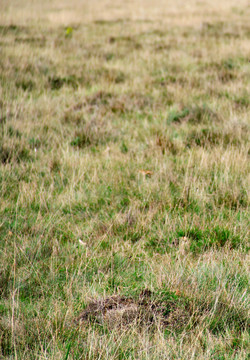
<point x="166" y="309"/>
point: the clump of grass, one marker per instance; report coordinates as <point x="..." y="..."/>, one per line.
<point x="92" y="134"/>
<point x="14" y="133"/>
<point x="242" y="100"/>
<point x="166" y="144"/>
<point x="226" y="70"/>
<point x="13" y="29"/>
<point x="196" y="240"/>
<point x="108" y="104"/>
<point x="202" y="240"/>
<point x="57" y="82"/>
<point x="209" y="137"/>
<point x="194" y="115"/>
<point x="11" y="154"/>
<point x="219" y="29"/>
<point x="25" y="84"/>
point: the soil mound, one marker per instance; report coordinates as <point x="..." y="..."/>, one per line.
<point x="117" y="310"/>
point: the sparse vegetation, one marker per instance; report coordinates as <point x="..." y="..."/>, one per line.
<point x="124" y="179"/>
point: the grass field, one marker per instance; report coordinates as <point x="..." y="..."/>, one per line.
<point x="124" y="179"/>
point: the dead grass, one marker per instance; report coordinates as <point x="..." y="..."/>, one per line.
<point x="117" y="311"/>
<point x="124" y="180"/>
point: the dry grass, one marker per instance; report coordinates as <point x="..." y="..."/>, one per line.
<point x="124" y="179"/>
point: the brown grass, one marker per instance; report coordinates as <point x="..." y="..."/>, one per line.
<point x="124" y="150"/>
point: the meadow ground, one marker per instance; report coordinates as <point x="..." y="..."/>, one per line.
<point x="124" y="179"/>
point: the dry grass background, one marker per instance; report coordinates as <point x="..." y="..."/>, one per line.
<point x="124" y="171"/>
